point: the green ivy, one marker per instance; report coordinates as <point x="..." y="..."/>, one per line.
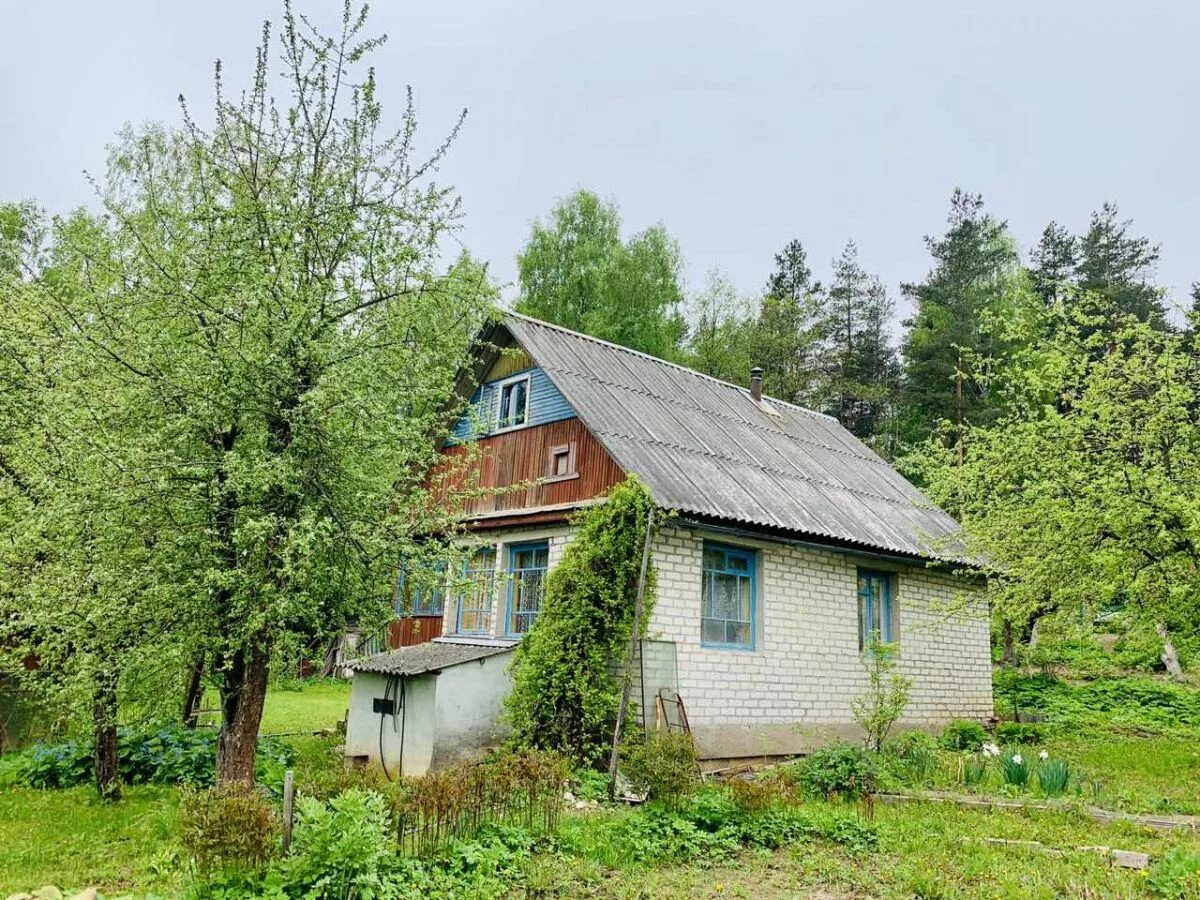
<point x="565" y="687"/>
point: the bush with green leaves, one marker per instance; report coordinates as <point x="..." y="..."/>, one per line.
<point x="962" y="734"/>
<point x="880" y="707"/>
<point x="840" y="771"/>
<point x="664" y="766"/>
<point x="912" y="756"/>
<point x="228" y="827"/>
<point x="159" y="755"/>
<point x="341" y="846"/>
<point x="1020" y="733"/>
<point x="566" y="687"/>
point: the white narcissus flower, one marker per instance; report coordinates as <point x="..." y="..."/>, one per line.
<point x="990" y="749"/>
<point x="1016" y="757"/>
<point x="1044" y="755"/>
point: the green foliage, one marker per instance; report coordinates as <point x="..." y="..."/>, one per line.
<point x="840" y="770"/>
<point x="962" y="735"/>
<point x="588" y="784"/>
<point x="576" y="271"/>
<point x="973" y="770"/>
<point x="1054" y="777"/>
<point x="565" y="691"/>
<point x="886" y="697"/>
<point x="1176" y="875"/>
<point x="1020" y="733"/>
<point x="916" y="754"/>
<point x="1015" y="767"/>
<point x="165" y="755"/>
<point x="665" y="766"/>
<point x="230" y="826"/>
<point x="340" y="846"/>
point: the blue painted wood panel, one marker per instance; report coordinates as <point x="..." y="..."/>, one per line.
<point x="546" y="405"/>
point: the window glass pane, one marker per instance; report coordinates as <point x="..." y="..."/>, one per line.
<point x="727" y="603"/>
<point x="738" y="563"/>
<point x="712" y="631"/>
<point x="714" y="559"/>
<point x="527" y="586"/>
<point x="737" y="633"/>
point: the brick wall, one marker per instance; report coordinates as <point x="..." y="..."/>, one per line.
<point x="806" y="666"/>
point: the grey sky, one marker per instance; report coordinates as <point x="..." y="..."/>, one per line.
<point x="738" y="124"/>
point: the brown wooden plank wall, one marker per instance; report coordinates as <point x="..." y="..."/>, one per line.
<point x="523" y="456"/>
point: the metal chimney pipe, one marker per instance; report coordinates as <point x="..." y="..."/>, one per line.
<point x="756" y="384"/>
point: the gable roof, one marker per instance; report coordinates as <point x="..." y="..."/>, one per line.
<point x="705" y="447"/>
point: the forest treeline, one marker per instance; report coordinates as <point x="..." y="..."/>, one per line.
<point x="833" y="343"/>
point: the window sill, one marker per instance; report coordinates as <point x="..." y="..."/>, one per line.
<point x="737" y="648"/>
<point x="554" y="479"/>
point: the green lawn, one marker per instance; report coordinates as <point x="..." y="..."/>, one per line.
<point x="68" y="838"/>
<point x="318" y="705"/>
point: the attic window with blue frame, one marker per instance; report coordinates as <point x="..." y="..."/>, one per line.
<point x="514" y="403"/>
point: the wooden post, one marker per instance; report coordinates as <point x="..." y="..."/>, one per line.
<point x="634" y="638"/>
<point x="289" y="798"/>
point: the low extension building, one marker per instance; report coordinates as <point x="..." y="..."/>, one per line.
<point x="791" y="547"/>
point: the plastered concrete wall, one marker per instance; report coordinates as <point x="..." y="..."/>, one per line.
<point x="470" y="704"/>
<point x="794" y="689"/>
<point x="416" y="724"/>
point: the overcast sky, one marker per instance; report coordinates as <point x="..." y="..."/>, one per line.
<point x="739" y="125"/>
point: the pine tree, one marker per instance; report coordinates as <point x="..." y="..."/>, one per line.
<point x="1118" y="269"/>
<point x="1053" y="263"/>
<point x="860" y="365"/>
<point x="789" y="329"/>
<point x="955" y="336"/>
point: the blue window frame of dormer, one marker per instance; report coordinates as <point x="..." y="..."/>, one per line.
<point x="527" y="568"/>
<point x="512" y="402"/>
<point x="477" y="596"/>
<point x="728" y="597"/>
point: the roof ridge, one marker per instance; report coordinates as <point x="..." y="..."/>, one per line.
<point x="664" y="362"/>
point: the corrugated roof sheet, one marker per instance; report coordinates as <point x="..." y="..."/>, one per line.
<point x="430" y="656"/>
<point x="704" y="447"/>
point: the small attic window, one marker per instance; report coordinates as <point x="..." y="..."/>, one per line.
<point x="514" y="403"/>
<point x="561" y="463"/>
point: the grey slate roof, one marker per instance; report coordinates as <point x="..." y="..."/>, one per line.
<point x="704" y="447"/>
<point x="430" y="656"/>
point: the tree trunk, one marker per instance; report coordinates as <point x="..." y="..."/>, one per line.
<point x="1169" y="657"/>
<point x="243" y="690"/>
<point x="104" y="726"/>
<point x="195" y="692"/>
<point x="1008" y="657"/>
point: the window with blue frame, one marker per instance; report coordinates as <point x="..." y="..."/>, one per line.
<point x="421" y="593"/>
<point x="514" y="403"/>
<point x="728" y="604"/>
<point x="479" y="589"/>
<point x="527" y="566"/>
<point x="876" y="616"/>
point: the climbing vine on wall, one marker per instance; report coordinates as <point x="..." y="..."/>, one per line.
<point x="566" y="681"/>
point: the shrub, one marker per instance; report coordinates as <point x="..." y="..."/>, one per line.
<point x="1177" y="874"/>
<point x="1020" y="733"/>
<point x="565" y="688"/>
<point x="588" y="784"/>
<point x="161" y="755"/>
<point x="840" y="770"/>
<point x="665" y="766"/>
<point x="228" y="827"/>
<point x="763" y="792"/>
<point x="714" y="809"/>
<point x="340" y="846"/>
<point x="658" y="833"/>
<point x="887" y="695"/>
<point x="962" y="734"/>
<point x="1054" y="777"/>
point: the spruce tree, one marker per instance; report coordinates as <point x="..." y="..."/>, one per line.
<point x="789" y="329"/>
<point x="1117" y="268"/>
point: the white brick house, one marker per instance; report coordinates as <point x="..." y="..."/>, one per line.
<point x="790" y="543"/>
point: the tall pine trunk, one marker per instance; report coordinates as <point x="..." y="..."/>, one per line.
<point x="104" y="726"/>
<point x="243" y="690"/>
